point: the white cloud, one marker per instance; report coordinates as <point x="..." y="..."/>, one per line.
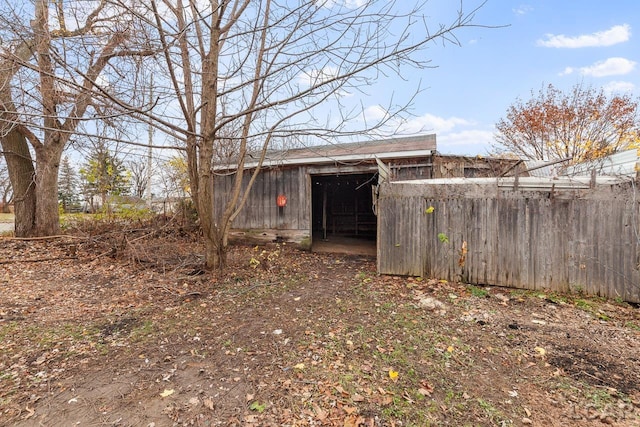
<point x="103" y="81"/>
<point x="351" y="4"/>
<point x="614" y="35"/>
<point x="455" y="135"/>
<point x="523" y="9"/>
<point x="314" y="77"/>
<point x="608" y="67"/>
<point x="431" y="123"/>
<point x="567" y="71"/>
<point x="374" y="113"/>
<point x="469" y="142"/>
<point x="619" y="87"/>
<point x="415" y="125"/>
<point x="450" y="132"/>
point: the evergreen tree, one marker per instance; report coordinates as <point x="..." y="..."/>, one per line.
<point x="67" y="185"/>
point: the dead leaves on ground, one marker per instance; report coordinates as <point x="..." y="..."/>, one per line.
<point x="309" y="340"/>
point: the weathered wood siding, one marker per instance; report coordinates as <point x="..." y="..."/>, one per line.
<point x="261" y="213"/>
<point x="565" y="240"/>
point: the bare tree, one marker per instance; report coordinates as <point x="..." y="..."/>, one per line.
<point x="6" y="191"/>
<point x="174" y="177"/>
<point x="583" y="124"/>
<point x="255" y="73"/>
<point x="55" y="66"/>
<point x="14" y="143"/>
<point x="241" y="75"/>
<point x="139" y="177"/>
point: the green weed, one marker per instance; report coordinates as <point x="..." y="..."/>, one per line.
<point x="478" y="292"/>
<point x="632" y="325"/>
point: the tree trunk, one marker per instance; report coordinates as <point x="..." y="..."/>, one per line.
<point x="215" y="254"/>
<point x="47" y="216"/>
<point x="16" y="148"/>
<point x="215" y="243"/>
<point x="22" y="176"/>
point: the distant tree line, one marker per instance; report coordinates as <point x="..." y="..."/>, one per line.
<point x="105" y="179"/>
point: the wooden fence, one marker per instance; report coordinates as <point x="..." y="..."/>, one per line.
<point x="491" y="232"/>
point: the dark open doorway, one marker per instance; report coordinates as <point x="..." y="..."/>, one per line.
<point x="342" y="209"/>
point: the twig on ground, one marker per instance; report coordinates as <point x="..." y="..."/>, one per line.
<point x="56" y="236"/>
<point x="16" y="261"/>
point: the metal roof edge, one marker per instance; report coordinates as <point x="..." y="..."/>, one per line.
<point x="425" y="146"/>
<point x="328" y="160"/>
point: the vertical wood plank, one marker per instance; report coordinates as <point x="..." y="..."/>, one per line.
<point x="560" y="241"/>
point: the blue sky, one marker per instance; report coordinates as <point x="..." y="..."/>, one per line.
<point x="534" y="43"/>
<point x="559" y="42"/>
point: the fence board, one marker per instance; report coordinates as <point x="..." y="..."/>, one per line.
<point x="558" y="240"/>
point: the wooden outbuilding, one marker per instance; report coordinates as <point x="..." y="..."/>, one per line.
<point x="319" y="191"/>
<point x="316" y="193"/>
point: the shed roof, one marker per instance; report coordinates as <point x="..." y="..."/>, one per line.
<point x="391" y="148"/>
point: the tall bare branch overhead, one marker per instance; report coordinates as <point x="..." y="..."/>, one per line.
<point x="248" y="74"/>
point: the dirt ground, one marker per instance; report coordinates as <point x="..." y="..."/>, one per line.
<point x="122" y="328"/>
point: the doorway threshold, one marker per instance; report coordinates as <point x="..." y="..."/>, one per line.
<point x="344" y="245"/>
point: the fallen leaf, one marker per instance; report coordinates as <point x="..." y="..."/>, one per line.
<point x="167" y="392"/>
<point x="250" y="419"/>
<point x="349" y="409"/>
<point x="208" y="403"/>
<point x="357" y="398"/>
<point x="353" y="421"/>
<point x="425" y="392"/>
<point x="342" y="391"/>
<point x="320" y="413"/>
